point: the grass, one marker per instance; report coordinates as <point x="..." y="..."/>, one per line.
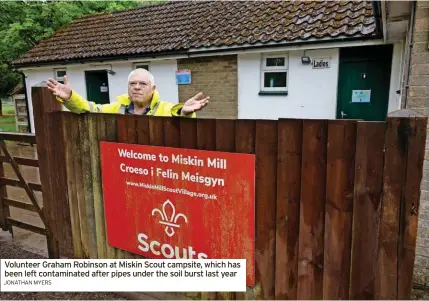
<point x="7" y="121"/>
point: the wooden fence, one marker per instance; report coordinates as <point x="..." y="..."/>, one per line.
<point x="337" y="201"/>
<point x="7" y="221"/>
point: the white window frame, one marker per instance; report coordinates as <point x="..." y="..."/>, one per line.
<point x="59" y="78"/>
<point x="142" y="63"/>
<point x="265" y="68"/>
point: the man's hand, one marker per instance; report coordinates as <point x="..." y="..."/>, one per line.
<point x="196" y="103"/>
<point x="63" y="91"/>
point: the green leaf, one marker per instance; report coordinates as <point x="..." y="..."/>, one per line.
<point x="24" y="23"/>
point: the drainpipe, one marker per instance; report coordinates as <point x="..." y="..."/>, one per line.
<point x="377" y="16"/>
<point x="384" y="19"/>
<point x="410" y="48"/>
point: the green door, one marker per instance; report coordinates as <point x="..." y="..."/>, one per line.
<point x="364" y="82"/>
<point x="97" y="86"/>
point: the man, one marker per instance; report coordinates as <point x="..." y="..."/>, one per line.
<point x="142" y="99"/>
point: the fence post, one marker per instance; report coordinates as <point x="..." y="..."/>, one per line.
<point x="44" y="104"/>
<point x="403" y="170"/>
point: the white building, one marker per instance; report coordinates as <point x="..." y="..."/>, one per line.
<point x="264" y="60"/>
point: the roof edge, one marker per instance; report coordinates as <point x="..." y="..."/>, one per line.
<point x="198" y="51"/>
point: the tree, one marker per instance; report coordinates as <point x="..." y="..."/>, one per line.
<point x="24" y="23"/>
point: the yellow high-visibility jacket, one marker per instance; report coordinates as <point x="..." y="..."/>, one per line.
<point x="77" y="104"/>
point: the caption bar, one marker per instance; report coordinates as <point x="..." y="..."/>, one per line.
<point x="122" y="275"/>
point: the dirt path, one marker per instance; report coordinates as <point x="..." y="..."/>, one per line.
<point x="11" y="250"/>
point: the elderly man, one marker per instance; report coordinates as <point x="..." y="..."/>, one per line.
<point x="142" y="99"/>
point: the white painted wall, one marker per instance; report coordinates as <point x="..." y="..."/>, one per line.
<point x="395" y="79"/>
<point x="164" y="73"/>
<point x="33" y="78"/>
<point x="312" y="92"/>
<point x="162" y="70"/>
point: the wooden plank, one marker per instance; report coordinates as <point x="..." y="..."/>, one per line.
<point x="123" y="122"/>
<point x="410" y="206"/>
<point x="156" y="131"/>
<point x="71" y="143"/>
<point x="188" y="139"/>
<point x="18" y="204"/>
<point x="21" y="161"/>
<point x="128" y="255"/>
<point x="26" y="226"/>
<point x="288" y="206"/>
<point x="49" y="207"/>
<point x="102" y="125"/>
<point x="98" y="127"/>
<point x="44" y="103"/>
<point x="28" y="190"/>
<point x="172" y="132"/>
<point x="366" y="208"/>
<point x="225" y="142"/>
<point x="266" y="198"/>
<point x="225" y="135"/>
<point x="394" y="175"/>
<point x="143" y="135"/>
<point x="132" y="138"/>
<point x="339" y="208"/>
<point x="245" y="135"/>
<point x="206" y="140"/>
<point x="59" y="181"/>
<point x="111" y="135"/>
<point x="122" y="127"/>
<point x="20" y="137"/>
<point x="17" y="183"/>
<point x="4" y="209"/>
<point x="188" y="133"/>
<point x="131" y="123"/>
<point x="86" y="134"/>
<point x="80" y="195"/>
<point x="206" y="134"/>
<point x="312" y="210"/>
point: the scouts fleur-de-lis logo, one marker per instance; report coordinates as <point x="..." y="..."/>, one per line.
<point x="170" y="222"/>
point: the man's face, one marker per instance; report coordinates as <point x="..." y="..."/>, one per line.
<point x="140" y="89"/>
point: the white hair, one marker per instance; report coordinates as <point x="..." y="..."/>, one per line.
<point x="141" y="70"/>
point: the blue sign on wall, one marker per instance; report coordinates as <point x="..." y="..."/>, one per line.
<point x="183" y="77"/>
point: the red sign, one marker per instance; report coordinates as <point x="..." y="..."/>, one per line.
<point x="166" y="202"/>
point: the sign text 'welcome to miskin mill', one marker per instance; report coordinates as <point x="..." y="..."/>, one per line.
<point x="164" y="202"/>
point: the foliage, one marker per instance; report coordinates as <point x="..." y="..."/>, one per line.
<point x="24" y="23"/>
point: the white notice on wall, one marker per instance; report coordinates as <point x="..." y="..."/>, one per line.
<point x="321" y="63"/>
<point x="361" y="96"/>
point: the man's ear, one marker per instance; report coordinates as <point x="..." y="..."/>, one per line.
<point x="153" y="87"/>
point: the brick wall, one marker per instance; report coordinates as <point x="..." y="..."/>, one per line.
<point x="418" y="100"/>
<point x="217" y="78"/>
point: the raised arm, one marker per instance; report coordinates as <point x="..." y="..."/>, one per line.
<point x="71" y="99"/>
